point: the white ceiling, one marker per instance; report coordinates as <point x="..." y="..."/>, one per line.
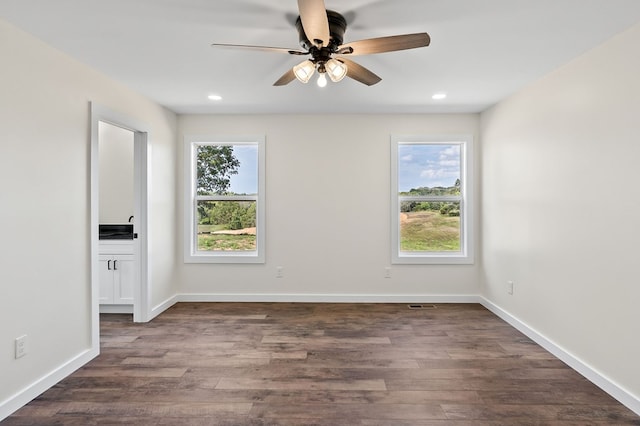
<point x="481" y="50"/>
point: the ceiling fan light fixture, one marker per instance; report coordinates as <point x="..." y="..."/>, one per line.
<point x="337" y="70"/>
<point x="304" y="70"/>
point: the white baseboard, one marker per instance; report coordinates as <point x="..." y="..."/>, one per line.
<point x="158" y="309"/>
<point x="616" y="391"/>
<point x="328" y="298"/>
<point x="26" y="395"/>
<point x="116" y="309"/>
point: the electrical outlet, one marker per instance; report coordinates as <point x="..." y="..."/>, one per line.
<point x="21" y="346"/>
<point x="510" y="287"/>
<point x="387" y="272"/>
<point x="279" y="272"/>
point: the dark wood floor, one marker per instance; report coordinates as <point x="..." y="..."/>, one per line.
<point x="321" y="364"/>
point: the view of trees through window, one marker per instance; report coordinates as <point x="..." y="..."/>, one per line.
<point x="429" y="190"/>
<point x="226" y="199"/>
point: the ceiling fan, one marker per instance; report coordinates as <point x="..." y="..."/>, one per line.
<point x="321" y="33"/>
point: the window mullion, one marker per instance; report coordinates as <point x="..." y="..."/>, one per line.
<point x="226" y="198"/>
<point x="435" y="198"/>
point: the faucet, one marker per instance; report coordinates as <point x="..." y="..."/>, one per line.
<point x="130" y="219"/>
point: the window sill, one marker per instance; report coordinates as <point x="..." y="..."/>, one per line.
<point x="432" y="259"/>
<point x="224" y="257"/>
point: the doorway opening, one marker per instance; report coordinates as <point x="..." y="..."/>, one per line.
<point x="117" y="230"/>
<point x="119" y="208"/>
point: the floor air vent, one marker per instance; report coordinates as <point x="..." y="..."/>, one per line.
<point x="419" y="306"/>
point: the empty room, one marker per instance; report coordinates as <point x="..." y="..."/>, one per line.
<point x="319" y="212"/>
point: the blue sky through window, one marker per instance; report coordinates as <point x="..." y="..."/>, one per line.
<point x="427" y="165"/>
<point x="246" y="181"/>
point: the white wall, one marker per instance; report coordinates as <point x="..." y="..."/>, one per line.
<point x="44" y="198"/>
<point x="116" y="173"/>
<point x="328" y="211"/>
<point x="560" y="208"/>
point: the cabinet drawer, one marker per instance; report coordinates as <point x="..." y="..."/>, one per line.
<point x="115" y="247"/>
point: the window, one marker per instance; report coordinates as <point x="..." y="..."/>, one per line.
<point x="431" y="199"/>
<point x="224" y="200"/>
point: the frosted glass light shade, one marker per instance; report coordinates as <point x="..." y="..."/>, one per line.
<point x="336" y="70"/>
<point x="322" y="80"/>
<point x="304" y="70"/>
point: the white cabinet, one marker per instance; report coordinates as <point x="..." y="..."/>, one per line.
<point x="117" y="278"/>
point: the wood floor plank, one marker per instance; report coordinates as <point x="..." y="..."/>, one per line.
<point x="139" y="371"/>
<point x="371" y="397"/>
<point x="321" y="364"/>
<point x="222" y="361"/>
<point x="301" y="384"/>
<point x="155" y="409"/>
<point x="349" y="413"/>
<point x="324" y="341"/>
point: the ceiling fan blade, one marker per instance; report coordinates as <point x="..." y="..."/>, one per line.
<point x="386" y="44"/>
<point x="261" y="48"/>
<point x="360" y="73"/>
<point x="286" y="78"/>
<point x="314" y="19"/>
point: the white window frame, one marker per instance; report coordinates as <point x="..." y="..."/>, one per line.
<point x="465" y="255"/>
<point x="191" y="254"/>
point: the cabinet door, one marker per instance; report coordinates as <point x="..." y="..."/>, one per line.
<point x="124" y="279"/>
<point x="106" y="279"/>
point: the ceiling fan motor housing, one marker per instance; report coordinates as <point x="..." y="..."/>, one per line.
<point x="337" y="27"/>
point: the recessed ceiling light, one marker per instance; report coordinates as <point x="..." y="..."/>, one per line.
<point x="438" y="96"/>
<point x="215" y="97"/>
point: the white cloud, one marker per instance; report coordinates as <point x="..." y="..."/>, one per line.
<point x="439" y="173"/>
<point x="430" y="173"/>
<point x="451" y="151"/>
